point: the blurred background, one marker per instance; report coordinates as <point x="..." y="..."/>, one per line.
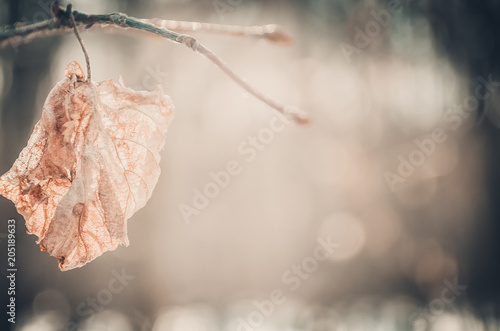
<point x="399" y="168"/>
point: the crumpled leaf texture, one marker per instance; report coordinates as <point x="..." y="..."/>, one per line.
<point x="91" y="162"/>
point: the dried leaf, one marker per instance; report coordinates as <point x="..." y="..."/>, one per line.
<point x="91" y="162"/>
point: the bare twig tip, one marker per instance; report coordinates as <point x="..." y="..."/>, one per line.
<point x="302" y="119"/>
<point x="299" y="116"/>
<point x="276" y="34"/>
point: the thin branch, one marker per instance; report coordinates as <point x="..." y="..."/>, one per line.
<point x="63" y="21"/>
<point x="299" y="116"/>
<point x="87" y="59"/>
<point x="272" y="32"/>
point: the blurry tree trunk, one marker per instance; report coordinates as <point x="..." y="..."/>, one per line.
<point x="467" y="32"/>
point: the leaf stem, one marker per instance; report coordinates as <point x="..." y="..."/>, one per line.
<point x="75" y="29"/>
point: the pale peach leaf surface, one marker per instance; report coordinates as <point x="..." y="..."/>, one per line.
<point x="91" y="162"/>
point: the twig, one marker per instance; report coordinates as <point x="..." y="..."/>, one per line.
<point x="298" y="116"/>
<point x="63" y="22"/>
<point x="87" y="59"/>
<point x="271" y="32"/>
